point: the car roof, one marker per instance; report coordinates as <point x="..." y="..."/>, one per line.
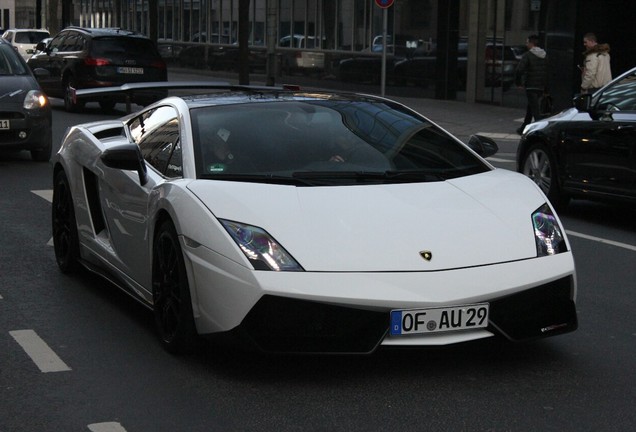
<point x="27" y="30"/>
<point x="107" y="31"/>
<point x="246" y="94"/>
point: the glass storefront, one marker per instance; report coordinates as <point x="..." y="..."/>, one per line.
<point x="452" y="49"/>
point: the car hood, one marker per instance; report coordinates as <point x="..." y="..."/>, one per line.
<point x="471" y="221"/>
<point x="13" y="88"/>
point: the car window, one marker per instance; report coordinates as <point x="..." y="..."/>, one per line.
<point x="285" y="42"/>
<point x="57" y="42"/>
<point x="620" y="96"/>
<point x="156" y="132"/>
<point x="123" y="46"/>
<point x="30" y="37"/>
<point x="10" y="63"/>
<point x="331" y="136"/>
<point x="73" y="42"/>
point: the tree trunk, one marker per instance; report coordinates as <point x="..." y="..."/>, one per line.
<point x="243" y="40"/>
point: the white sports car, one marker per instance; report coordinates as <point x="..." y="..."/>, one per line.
<point x="310" y="222"/>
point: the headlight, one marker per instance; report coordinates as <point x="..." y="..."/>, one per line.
<point x="35" y="99"/>
<point x="260" y="248"/>
<point x="547" y="232"/>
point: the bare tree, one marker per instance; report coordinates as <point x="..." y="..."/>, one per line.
<point x="153" y="19"/>
<point x="53" y="22"/>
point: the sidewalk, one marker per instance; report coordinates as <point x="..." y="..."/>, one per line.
<point x="462" y="119"/>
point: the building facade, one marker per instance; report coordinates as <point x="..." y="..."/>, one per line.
<point x="470" y="38"/>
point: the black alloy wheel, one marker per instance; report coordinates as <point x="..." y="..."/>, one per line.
<point x="65" y="235"/>
<point x="171" y="292"/>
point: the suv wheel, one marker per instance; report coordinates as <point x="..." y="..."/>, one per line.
<point x="107" y="105"/>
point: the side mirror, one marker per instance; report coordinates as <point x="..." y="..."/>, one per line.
<point x="41" y="73"/>
<point x="482" y="145"/>
<point x="41" y="46"/>
<point x="582" y="102"/>
<point x="126" y="157"/>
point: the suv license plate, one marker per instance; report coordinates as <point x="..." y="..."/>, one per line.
<point x="5" y="124"/>
<point x="130" y="70"/>
<point x="417" y="321"/>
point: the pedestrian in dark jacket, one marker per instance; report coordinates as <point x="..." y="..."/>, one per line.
<point x="532" y="74"/>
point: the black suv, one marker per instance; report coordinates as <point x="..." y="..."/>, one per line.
<point x="80" y="58"/>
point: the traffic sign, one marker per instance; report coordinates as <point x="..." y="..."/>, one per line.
<point x="384" y="3"/>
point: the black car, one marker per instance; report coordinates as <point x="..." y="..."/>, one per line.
<point x="588" y="151"/>
<point x="79" y="58"/>
<point x="367" y="65"/>
<point x="25" y="112"/>
<point x="499" y="66"/>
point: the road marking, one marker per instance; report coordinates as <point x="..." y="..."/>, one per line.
<point x="500" y="136"/>
<point x="47" y="194"/>
<point x="601" y="240"/>
<point x="106" y="427"/>
<point x="39" y="351"/>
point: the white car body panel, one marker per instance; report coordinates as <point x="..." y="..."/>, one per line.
<point x="359" y="245"/>
<point x="241" y="288"/>
<point x="345" y="228"/>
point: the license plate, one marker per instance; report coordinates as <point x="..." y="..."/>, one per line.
<point x="5" y="124"/>
<point x="130" y="70"/>
<point x="434" y="320"/>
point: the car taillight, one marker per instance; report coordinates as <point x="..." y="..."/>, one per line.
<point x="92" y="61"/>
<point x="159" y="64"/>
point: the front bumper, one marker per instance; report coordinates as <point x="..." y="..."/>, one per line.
<point x="349" y="312"/>
<point x="28" y="131"/>
<point x="279" y="324"/>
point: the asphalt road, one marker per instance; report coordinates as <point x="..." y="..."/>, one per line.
<point x="77" y="355"/>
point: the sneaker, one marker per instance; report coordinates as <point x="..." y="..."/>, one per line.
<point x="520" y="129"/>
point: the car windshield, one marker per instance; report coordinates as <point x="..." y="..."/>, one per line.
<point x="30" y="37"/>
<point x="620" y="96"/>
<point x="325" y="142"/>
<point x="10" y="62"/>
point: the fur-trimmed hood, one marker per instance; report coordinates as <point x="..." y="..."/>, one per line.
<point x="598" y="49"/>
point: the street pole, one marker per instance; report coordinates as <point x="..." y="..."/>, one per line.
<point x="385" y="21"/>
<point x="271" y="42"/>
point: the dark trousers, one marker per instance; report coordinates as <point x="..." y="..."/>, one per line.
<point x="533" y="110"/>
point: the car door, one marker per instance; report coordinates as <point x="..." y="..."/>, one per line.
<point x="601" y="151"/>
<point x="127" y="203"/>
<point x="49" y="59"/>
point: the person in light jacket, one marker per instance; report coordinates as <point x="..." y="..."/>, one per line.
<point x="596" y="70"/>
<point x="532" y="74"/>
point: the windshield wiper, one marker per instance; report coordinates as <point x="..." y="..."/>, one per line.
<point x="416" y="175"/>
<point x="369" y="176"/>
<point x="258" y="178"/>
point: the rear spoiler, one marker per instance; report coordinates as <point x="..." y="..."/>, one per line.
<point x="129" y="89"/>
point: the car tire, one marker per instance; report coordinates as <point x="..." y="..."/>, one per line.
<point x="107" y="105"/>
<point x="43" y="154"/>
<point x="172" y="303"/>
<point x="539" y="165"/>
<point x="71" y="105"/>
<point x="64" y="225"/>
